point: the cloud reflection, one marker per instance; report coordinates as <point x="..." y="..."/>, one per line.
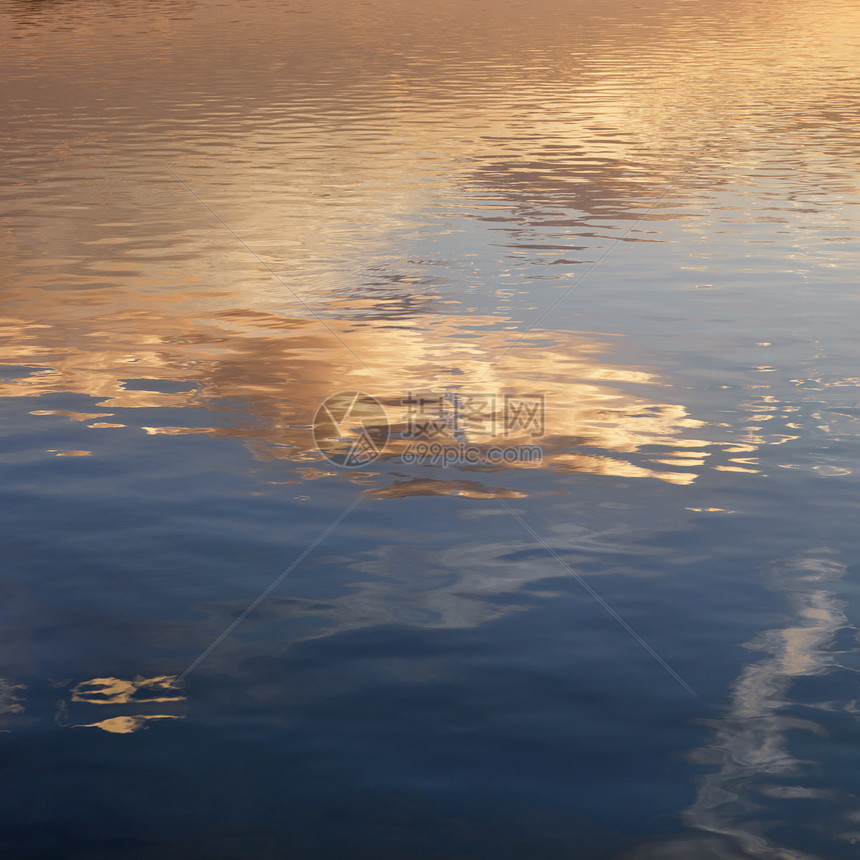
<point x="112" y="693"/>
<point x="279" y="369"/>
<point x="754" y="766"/>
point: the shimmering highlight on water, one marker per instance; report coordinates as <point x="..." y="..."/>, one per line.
<point x="214" y="216"/>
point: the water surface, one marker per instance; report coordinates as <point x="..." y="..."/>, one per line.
<point x="216" y="215"/>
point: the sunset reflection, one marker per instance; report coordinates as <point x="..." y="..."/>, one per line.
<point x="618" y="240"/>
<point x="110" y="694"/>
<point x="594" y="423"/>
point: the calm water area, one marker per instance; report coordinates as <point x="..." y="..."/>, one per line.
<point x="430" y="431"/>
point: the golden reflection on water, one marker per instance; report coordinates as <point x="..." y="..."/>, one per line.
<point x="111" y="693"/>
<point x="260" y="377"/>
<point x="126" y="725"/>
<point x="340" y="146"/>
<point x="114" y="691"/>
<point x="282" y="379"/>
<point x="325" y="167"/>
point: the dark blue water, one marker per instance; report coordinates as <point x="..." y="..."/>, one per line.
<point x="622" y="237"/>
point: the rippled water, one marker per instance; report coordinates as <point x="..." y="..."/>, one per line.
<point x="638" y="221"/>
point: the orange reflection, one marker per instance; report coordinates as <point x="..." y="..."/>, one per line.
<point x="593" y="422"/>
<point x="126" y="725"/>
<point x="117" y="272"/>
<point x="114" y="691"/>
<point x="110" y="693"/>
